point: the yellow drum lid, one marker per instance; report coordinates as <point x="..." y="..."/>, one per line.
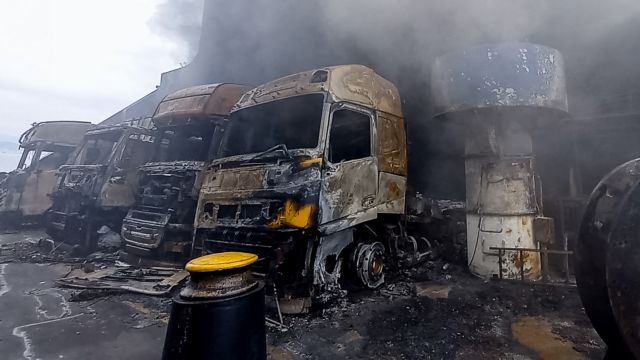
<point x="221" y="261"/>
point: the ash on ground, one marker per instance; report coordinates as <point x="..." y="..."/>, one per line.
<point x="435" y="311"/>
<point x="440" y="311"/>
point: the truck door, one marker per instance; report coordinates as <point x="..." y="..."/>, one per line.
<point x="40" y="183"/>
<point x="350" y="173"/>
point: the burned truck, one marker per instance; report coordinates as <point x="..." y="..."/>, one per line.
<point x="190" y="124"/>
<point x="25" y="192"/>
<point x="97" y="186"/>
<point x="313" y="180"/>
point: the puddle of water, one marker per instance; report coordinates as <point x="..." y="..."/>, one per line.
<point x="535" y="333"/>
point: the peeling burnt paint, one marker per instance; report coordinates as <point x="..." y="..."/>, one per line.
<point x="190" y="125"/>
<point x="476" y="78"/>
<point x="297" y="210"/>
<point x="97" y="185"/>
<point x="25" y="192"/>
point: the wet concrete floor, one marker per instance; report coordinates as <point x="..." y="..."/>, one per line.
<point x="37" y="320"/>
<point x="433" y="312"/>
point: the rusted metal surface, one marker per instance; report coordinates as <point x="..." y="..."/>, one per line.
<point x="349" y="83"/>
<point x="501" y="75"/>
<point x="197" y="102"/>
<point x="218" y="284"/>
<point x="328" y="263"/>
<point x="292" y="204"/>
<point x="500" y="93"/>
<point x="55" y="132"/>
<point x="501" y="202"/>
<point x="155" y="281"/>
<point x="392" y="144"/>
<point x="97" y="185"/>
<point x="190" y="125"/>
<point x="25" y="192"/>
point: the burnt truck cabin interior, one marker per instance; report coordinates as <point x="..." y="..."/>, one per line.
<point x="25" y="193"/>
<point x="192" y="142"/>
<point x="97" y="185"/>
<point x="44" y="156"/>
<point x="293" y="123"/>
<point x="97" y="148"/>
<point x="164" y="199"/>
<point x="297" y="182"/>
<point x="349" y="137"/>
<point x="190" y="124"/>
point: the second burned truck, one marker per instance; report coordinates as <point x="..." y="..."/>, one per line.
<point x="190" y="124"/>
<point x="96" y="187"/>
<point x="312" y="177"/>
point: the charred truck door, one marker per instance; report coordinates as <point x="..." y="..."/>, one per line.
<point x="312" y="178"/>
<point x="190" y="124"/>
<point x="25" y="192"/>
<point x="350" y="172"/>
<point x="96" y="188"/>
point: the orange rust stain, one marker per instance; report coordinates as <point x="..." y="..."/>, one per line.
<point x="536" y="334"/>
<point x="394" y="190"/>
<point x="531" y="262"/>
<point x="515" y="258"/>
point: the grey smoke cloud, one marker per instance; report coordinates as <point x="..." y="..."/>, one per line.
<point x="254" y="41"/>
<point x="258" y="40"/>
<point x="180" y="20"/>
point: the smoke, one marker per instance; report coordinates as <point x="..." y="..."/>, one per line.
<point x="180" y="21"/>
<point x="254" y="41"/>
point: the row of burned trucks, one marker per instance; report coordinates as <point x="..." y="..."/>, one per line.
<point x="308" y="171"/>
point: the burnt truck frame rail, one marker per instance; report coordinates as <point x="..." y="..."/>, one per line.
<point x="25" y="193"/>
<point x="96" y="187"/>
<point x="190" y="124"/>
<point x="313" y="180"/>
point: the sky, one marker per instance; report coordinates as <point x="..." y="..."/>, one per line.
<point x="78" y="59"/>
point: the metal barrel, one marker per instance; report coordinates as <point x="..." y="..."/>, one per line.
<point x="606" y="267"/>
<point x="220" y="314"/>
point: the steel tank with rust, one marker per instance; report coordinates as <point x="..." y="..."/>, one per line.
<point x="498" y="94"/>
<point x="220" y="314"/>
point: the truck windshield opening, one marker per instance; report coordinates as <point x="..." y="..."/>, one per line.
<point x="293" y="122"/>
<point x="97" y="149"/>
<point x="190" y="142"/>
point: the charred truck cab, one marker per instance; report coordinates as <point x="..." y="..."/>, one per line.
<point x="190" y="124"/>
<point x="25" y="193"/>
<point x="313" y="179"/>
<point x="97" y="186"/>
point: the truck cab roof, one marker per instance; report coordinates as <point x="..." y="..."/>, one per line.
<point x="198" y="102"/>
<point x="62" y="133"/>
<point x="351" y="83"/>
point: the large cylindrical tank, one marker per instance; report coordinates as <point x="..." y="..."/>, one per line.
<point x="498" y="94"/>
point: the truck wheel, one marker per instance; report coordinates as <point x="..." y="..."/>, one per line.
<point x="368" y="263"/>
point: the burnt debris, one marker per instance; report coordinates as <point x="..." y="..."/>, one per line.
<point x="190" y="125"/>
<point x="96" y="187"/>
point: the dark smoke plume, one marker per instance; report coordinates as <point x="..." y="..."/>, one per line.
<point x="254" y="41"/>
<point x="257" y="40"/>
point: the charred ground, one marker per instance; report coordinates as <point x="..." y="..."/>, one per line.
<point x="437" y="310"/>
